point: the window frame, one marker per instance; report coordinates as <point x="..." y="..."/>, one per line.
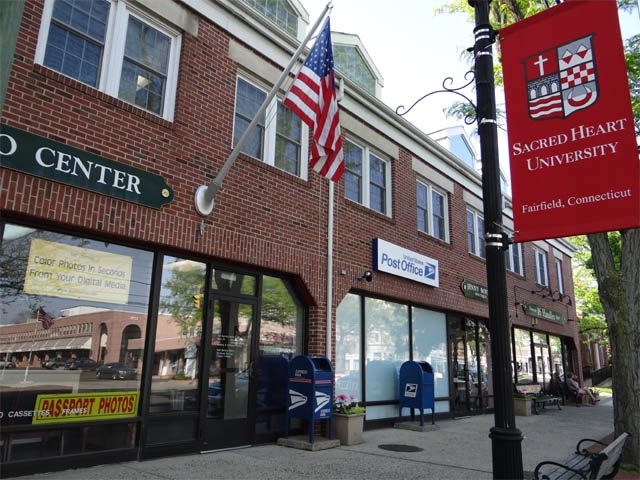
<point x="478" y="242"/>
<point x="509" y="260"/>
<point x="560" y="276"/>
<point x="540" y="260"/>
<point x="113" y="52"/>
<point x="270" y="130"/>
<point x="431" y="189"/>
<point x="367" y="153"/>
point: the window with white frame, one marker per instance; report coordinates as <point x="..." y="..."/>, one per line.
<point x="514" y="258"/>
<point x="367" y="177"/>
<point x="560" y="278"/>
<point x="475" y="233"/>
<point x="540" y="265"/>
<point x="111" y="46"/>
<point x="432" y="211"/>
<point x="277" y="138"/>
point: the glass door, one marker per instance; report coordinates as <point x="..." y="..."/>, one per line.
<point x="230" y="387"/>
<point x="543" y="369"/>
<point x="460" y="375"/>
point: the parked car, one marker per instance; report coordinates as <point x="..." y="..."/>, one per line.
<point x="116" y="371"/>
<point x="81" y="364"/>
<point x="54" y="363"/>
<point x="7" y="364"/>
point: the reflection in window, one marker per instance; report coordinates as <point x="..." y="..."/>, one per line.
<point x="348" y="340"/>
<point x="430" y="345"/>
<point x="387" y="347"/>
<point x="177" y="349"/>
<point x="72" y="302"/>
<point x="556" y="355"/>
<point x="523" y="360"/>
<point x="281" y="338"/>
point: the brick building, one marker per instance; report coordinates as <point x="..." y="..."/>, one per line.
<point x="115" y="113"/>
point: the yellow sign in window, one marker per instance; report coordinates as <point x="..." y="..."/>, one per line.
<point x="60" y="270"/>
<point x="75" y="407"/>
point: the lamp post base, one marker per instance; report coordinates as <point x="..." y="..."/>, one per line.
<point x="507" y="453"/>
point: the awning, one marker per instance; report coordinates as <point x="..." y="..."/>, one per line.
<point x="7" y="347"/>
<point x="78" y="343"/>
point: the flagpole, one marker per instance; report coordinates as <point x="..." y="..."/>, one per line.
<point x="204" y="197"/>
<point x="329" y="270"/>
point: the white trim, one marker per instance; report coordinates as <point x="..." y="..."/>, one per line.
<point x="348" y="123"/>
<point x="541" y="245"/>
<point x="431" y="175"/>
<point x="473" y="201"/>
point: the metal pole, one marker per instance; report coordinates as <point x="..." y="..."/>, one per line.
<point x="204" y="195"/>
<point x="506" y="438"/>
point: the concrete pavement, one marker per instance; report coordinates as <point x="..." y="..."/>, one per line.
<point x="459" y="449"/>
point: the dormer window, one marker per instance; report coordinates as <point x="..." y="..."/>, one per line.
<point x="348" y="60"/>
<point x="460" y="149"/>
<point x="279" y="12"/>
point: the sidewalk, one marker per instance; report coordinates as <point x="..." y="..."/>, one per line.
<point x="460" y="449"/>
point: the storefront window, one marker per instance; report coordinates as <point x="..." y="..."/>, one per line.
<point x="486" y="373"/>
<point x="174" y="383"/>
<point x="523" y="360"/>
<point x="430" y="345"/>
<point x="556" y="355"/>
<point x="348" y="344"/>
<point x="52" y="285"/>
<point x="281" y="338"/>
<point x="387" y="347"/>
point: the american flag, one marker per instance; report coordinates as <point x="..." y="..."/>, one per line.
<point x="313" y="98"/>
<point x="45" y="318"/>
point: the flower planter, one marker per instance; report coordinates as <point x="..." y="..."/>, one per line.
<point x="522" y="406"/>
<point x="348" y="428"/>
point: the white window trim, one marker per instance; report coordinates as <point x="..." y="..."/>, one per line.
<point x="113" y="54"/>
<point x="366" y="177"/>
<point x="510" y="265"/>
<point x="560" y="277"/>
<point x="442" y="193"/>
<point x="269" y="152"/>
<point x="476" y="236"/>
<point x="538" y="256"/>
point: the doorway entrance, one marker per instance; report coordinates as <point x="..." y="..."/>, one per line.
<point x="230" y="385"/>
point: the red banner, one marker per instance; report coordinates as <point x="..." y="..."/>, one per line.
<point x="572" y="146"/>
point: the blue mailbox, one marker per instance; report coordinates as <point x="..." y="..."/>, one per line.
<point x="310" y="388"/>
<point x="417" y="388"/>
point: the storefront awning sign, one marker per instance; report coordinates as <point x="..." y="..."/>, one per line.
<point x="474" y="290"/>
<point x="572" y="143"/>
<point x="399" y="261"/>
<point x="35" y="155"/>
<point x="538" y="311"/>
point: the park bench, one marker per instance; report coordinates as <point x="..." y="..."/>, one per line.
<point x="543" y="399"/>
<point x="584" y="464"/>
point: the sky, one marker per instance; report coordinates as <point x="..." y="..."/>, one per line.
<point x="415" y="50"/>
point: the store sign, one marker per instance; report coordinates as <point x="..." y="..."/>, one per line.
<point x="474" y="290"/>
<point x="61" y="270"/>
<point x="537" y="311"/>
<point x="76" y="407"/>
<point x="34" y="155"/>
<point x="572" y="144"/>
<point x="399" y="261"/>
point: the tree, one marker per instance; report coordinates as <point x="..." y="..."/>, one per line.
<point x="618" y="284"/>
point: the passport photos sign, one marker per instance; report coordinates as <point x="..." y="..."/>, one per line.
<point x="572" y="144"/>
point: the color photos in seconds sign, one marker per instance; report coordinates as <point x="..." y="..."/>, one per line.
<point x="572" y="145"/>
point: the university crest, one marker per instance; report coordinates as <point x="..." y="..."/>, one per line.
<point x="561" y="80"/>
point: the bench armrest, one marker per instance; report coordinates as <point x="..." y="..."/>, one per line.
<point x="544" y="476"/>
<point x="584" y="450"/>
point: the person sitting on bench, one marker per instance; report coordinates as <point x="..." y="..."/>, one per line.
<point x="574" y="386"/>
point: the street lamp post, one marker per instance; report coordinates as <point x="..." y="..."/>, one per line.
<point x="506" y="438"/>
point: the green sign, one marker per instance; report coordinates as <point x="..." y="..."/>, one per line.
<point x="474" y="290"/>
<point x="541" y="312"/>
<point x="28" y="153"/>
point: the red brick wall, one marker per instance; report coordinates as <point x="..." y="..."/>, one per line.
<point x="263" y="217"/>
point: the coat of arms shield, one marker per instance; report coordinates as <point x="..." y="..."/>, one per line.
<point x="561" y="80"/>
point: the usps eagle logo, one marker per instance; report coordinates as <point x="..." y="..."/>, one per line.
<point x="561" y="80"/>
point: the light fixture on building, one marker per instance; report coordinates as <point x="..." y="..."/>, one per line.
<point x="368" y="276"/>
